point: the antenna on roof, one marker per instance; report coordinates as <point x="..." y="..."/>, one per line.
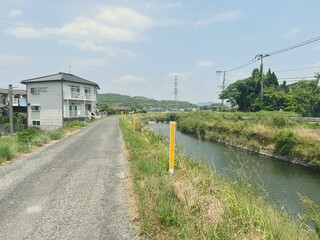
<point x="69" y="69"/>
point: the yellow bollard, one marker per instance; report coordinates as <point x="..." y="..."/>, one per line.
<point x="171" y="150"/>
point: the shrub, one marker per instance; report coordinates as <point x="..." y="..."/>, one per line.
<point x="284" y="143"/>
<point x="54" y="134"/>
<point x="28" y="134"/>
<point x="40" y="140"/>
<point x="6" y="153"/>
<point x="279" y="121"/>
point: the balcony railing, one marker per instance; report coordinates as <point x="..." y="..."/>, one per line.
<point x="78" y="96"/>
<point x="76" y="114"/>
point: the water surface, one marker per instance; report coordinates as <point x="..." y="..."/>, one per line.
<point x="283" y="182"/>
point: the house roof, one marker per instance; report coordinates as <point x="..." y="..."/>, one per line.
<point x="60" y="77"/>
<point x="15" y="91"/>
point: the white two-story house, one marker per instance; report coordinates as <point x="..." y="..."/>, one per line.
<point x="55" y="99"/>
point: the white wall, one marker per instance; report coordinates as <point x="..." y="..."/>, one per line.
<point x="50" y="114"/>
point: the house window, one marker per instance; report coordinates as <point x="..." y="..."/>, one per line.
<point x="88" y="107"/>
<point x="87" y="92"/>
<point x="35" y="108"/>
<point x="34" y="90"/>
<point x="36" y="123"/>
<point x="75" y="91"/>
<point x="37" y="90"/>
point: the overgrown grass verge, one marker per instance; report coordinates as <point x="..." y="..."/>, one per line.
<point x="274" y="134"/>
<point x="32" y="137"/>
<point x="194" y="203"/>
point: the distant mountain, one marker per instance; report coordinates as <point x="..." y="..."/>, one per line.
<point x="139" y="102"/>
<point x="204" y="104"/>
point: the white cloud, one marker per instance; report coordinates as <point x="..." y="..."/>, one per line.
<point x="25" y="32"/>
<point x="169" y="5"/>
<point x="130" y="79"/>
<point x="15" y="13"/>
<point x="125" y="18"/>
<point x="205" y="63"/>
<point x="291" y="32"/>
<point x="90" y="46"/>
<point x="220" y="17"/>
<point x="119" y="24"/>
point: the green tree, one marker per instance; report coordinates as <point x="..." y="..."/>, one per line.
<point x="243" y="93"/>
<point x="106" y="108"/>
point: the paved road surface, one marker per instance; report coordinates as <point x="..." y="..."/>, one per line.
<point x="73" y="189"/>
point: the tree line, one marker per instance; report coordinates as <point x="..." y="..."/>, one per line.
<point x="302" y="97"/>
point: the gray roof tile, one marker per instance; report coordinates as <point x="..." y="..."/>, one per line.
<point x="60" y="77"/>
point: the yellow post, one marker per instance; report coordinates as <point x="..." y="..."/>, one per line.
<point x="171" y="151"/>
<point x="134" y="122"/>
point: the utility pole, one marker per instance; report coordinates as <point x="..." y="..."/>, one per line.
<point x="260" y="57"/>
<point x="10" y="110"/>
<point x="223" y="87"/>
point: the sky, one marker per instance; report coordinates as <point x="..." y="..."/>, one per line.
<point x="138" y="47"/>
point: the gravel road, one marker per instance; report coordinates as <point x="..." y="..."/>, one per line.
<point x="73" y="189"/>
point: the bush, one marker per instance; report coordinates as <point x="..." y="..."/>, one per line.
<point x="75" y="124"/>
<point x="28" y="134"/>
<point x="6" y="153"/>
<point x="40" y="140"/>
<point x="54" y="134"/>
<point x="284" y="143"/>
<point x="279" y="121"/>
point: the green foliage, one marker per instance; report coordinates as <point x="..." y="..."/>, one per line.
<point x="75" y="124"/>
<point x="40" y="140"/>
<point x="194" y="203"/>
<point x="302" y="97"/>
<point x="54" y="134"/>
<point x="103" y="107"/>
<point x="313" y="212"/>
<point x="28" y="134"/>
<point x="284" y="143"/>
<point x="142" y="103"/>
<point x="6" y="153"/>
<point x="279" y="121"/>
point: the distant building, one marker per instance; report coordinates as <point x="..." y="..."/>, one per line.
<point x="57" y="98"/>
<point x="19" y="98"/>
<point x="121" y="109"/>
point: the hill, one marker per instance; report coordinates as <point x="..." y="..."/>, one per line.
<point x="139" y="102"/>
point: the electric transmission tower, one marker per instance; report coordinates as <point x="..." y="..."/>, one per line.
<point x="176" y="88"/>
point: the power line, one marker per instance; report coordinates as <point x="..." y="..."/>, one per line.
<point x="297" y="69"/>
<point x="294" y="46"/>
<point x="296" y="77"/>
<point x="260" y="56"/>
<point x="242" y="66"/>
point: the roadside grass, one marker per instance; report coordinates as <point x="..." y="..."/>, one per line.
<point x="28" y="139"/>
<point x="194" y="203"/>
<point x="272" y="133"/>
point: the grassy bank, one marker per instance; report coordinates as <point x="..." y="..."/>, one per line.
<point x="271" y="133"/>
<point x="30" y="138"/>
<point x="193" y="203"/>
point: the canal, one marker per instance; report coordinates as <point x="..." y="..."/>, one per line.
<point x="281" y="182"/>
